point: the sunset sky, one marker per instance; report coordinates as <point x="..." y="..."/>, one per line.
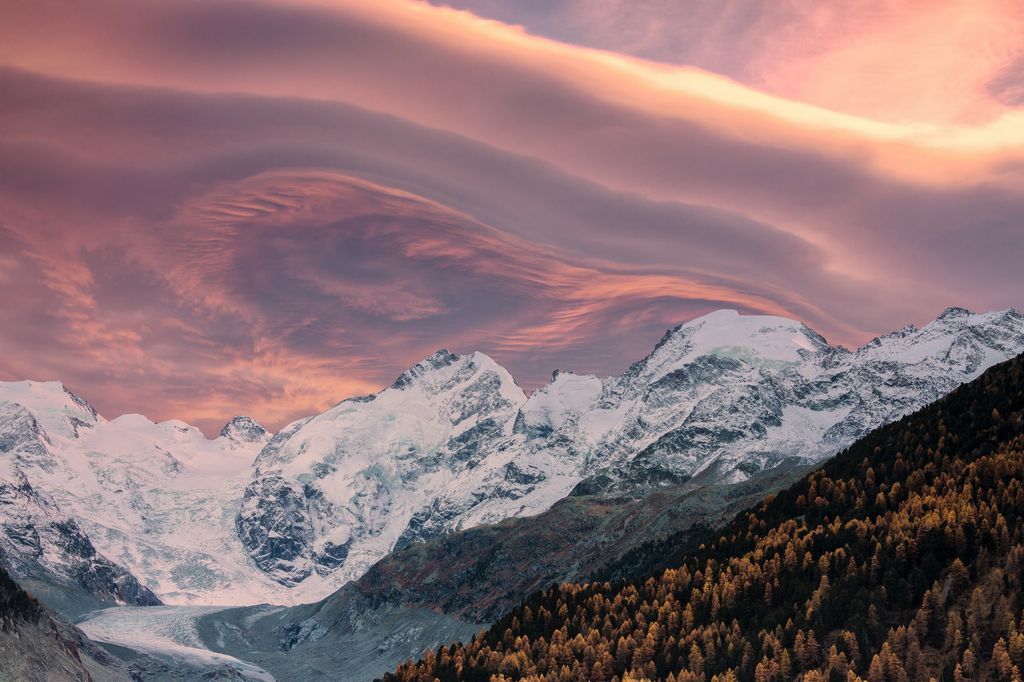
<point x="219" y="207"/>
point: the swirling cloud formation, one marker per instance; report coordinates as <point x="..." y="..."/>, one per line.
<point x="218" y="206"/>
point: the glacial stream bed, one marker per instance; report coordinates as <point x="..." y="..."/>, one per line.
<point x="165" y="637"/>
<point x="192" y="643"/>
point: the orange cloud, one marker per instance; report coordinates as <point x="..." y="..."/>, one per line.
<point x="909" y="62"/>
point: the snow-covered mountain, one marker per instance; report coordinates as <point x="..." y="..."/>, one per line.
<point x="332" y="494"/>
<point x="726" y="395"/>
<point x="454" y="443"/>
<point x="154" y="501"/>
<point x="39" y="540"/>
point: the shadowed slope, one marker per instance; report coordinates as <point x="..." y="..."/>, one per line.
<point x="36" y="644"/>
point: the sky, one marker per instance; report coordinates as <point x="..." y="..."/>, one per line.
<point x="220" y="207"/>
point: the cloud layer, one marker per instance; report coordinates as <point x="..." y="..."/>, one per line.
<point x="218" y="206"/>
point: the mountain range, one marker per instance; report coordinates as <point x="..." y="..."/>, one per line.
<point x="129" y="511"/>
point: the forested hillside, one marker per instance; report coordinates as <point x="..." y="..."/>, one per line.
<point x="899" y="560"/>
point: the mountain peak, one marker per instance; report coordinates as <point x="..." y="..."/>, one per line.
<point x="443" y="358"/>
<point x="957" y="320"/>
<point x="242" y="429"/>
<point x="59" y="410"/>
<point x="440" y="359"/>
<point x="722" y="331"/>
<point x="954" y="312"/>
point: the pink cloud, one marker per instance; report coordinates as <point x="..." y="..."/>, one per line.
<point x="210" y="333"/>
<point x="266" y="206"/>
<point x="892" y="60"/>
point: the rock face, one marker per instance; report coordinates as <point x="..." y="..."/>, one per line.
<point x="243" y="431"/>
<point x="38" y="542"/>
<point x="453" y="443"/>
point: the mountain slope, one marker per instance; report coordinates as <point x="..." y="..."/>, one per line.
<point x="900" y="559"/>
<point x="726" y="395"/>
<point x="35" y="644"/>
<point x="332" y="494"/>
<point x="431" y="592"/>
